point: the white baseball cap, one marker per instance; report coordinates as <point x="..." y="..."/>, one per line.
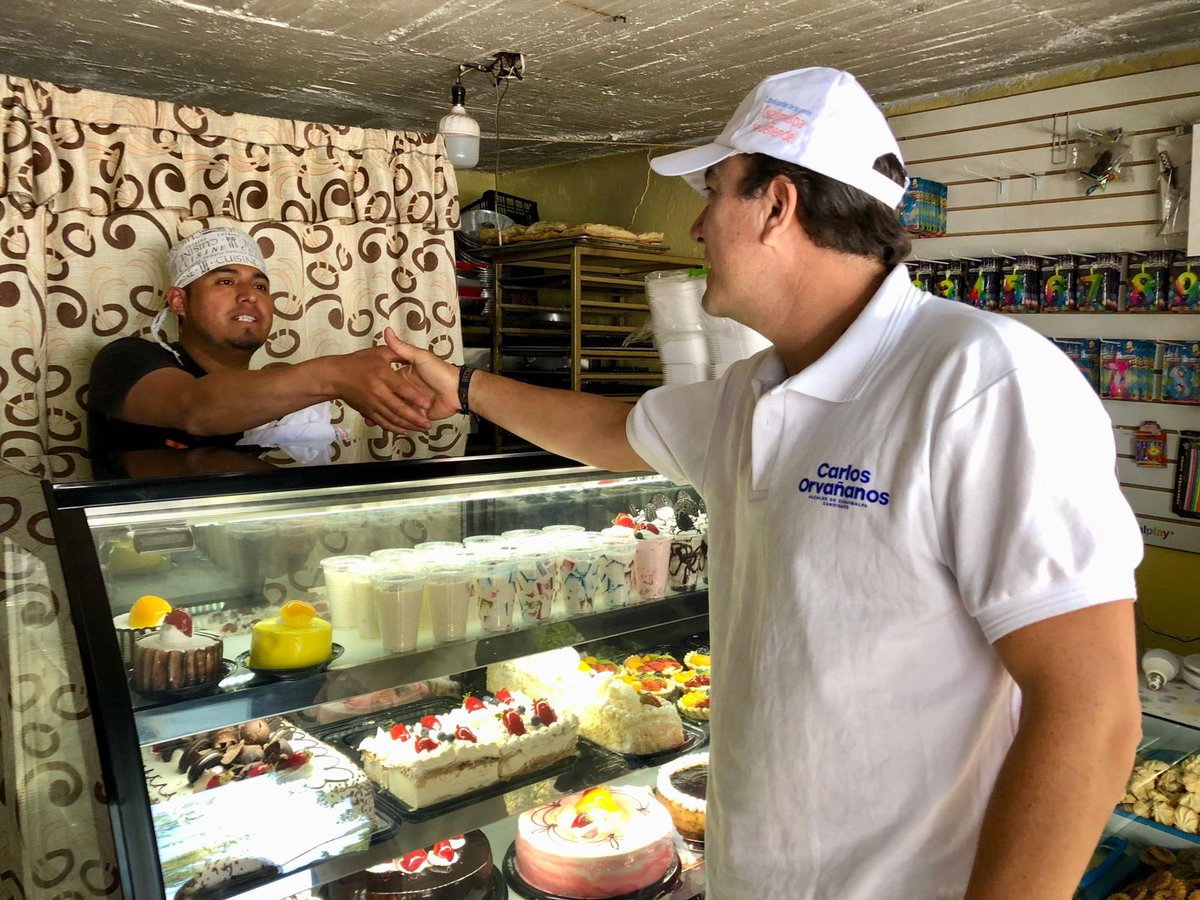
<point x="212" y="248"/>
<point x="818" y="118"/>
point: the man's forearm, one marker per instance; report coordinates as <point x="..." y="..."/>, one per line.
<point x="580" y="426"/>
<point x="227" y="402"/>
<point x="1060" y="782"/>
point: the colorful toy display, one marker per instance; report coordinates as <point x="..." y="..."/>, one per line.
<point x="1127" y="369"/>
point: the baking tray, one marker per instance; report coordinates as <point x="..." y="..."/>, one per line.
<point x="592" y="765"/>
<point x="585" y="240"/>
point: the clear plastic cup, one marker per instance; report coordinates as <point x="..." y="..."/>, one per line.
<point x="439" y="546"/>
<point x="399" y="598"/>
<point x="339" y="589"/>
<point x="253" y="546"/>
<point x="614" y="572"/>
<point x="562" y="529"/>
<point x="366" y="613"/>
<point x="579" y="576"/>
<point x="447" y="591"/>
<point x="687" y="559"/>
<point x="535" y="579"/>
<point x="477" y="539"/>
<point x="396" y="556"/>
<point x="495" y="590"/>
<point x="651" y="564"/>
<point x="521" y="532"/>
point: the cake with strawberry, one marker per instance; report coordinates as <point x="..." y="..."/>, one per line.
<point x="602" y="842"/>
<point x="482" y="743"/>
<point x="458" y="868"/>
<point x="618" y="715"/>
<point x="273" y="749"/>
<point x="175" y="657"/>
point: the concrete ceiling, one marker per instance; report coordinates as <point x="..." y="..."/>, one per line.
<point x="600" y="76"/>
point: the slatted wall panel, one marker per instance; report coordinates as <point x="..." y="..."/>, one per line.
<point x="969" y="146"/>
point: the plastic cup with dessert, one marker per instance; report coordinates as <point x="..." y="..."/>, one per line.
<point x="558" y="529"/>
<point x="651" y="562"/>
<point x="448" y="593"/>
<point x="687" y="559"/>
<point x="477" y="539"/>
<point x="535" y="577"/>
<point x="397" y="556"/>
<point x="339" y="589"/>
<point x="494" y="583"/>
<point x="399" y="597"/>
<point x="615" y="575"/>
<point x="521" y="532"/>
<point x="580" y="575"/>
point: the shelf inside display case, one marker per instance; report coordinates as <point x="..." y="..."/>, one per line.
<point x="233" y="550"/>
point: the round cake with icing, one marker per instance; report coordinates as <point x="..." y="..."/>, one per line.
<point x="296" y="638"/>
<point x="603" y="842"/>
<point x="682" y="787"/>
<point x="458" y="868"/>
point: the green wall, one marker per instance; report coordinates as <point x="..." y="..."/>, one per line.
<point x="606" y="190"/>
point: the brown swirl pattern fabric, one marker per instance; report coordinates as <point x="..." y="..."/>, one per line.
<point x="94" y="188"/>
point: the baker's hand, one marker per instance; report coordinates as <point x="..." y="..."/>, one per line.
<point x="426" y="377"/>
<point x="368" y="382"/>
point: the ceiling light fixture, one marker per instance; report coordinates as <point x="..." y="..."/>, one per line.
<point x="459" y="131"/>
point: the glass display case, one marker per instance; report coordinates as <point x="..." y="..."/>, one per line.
<point x="231" y="721"/>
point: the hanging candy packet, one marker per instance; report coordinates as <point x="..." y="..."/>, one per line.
<point x="1103" y="154"/>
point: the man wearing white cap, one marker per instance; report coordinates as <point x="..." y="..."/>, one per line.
<point x="201" y="392"/>
<point x="921" y="565"/>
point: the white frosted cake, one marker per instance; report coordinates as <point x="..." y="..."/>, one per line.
<point x="603" y="842"/>
<point x="611" y="712"/>
<point x="481" y="743"/>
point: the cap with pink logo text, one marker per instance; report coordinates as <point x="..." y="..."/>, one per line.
<point x="818" y="118"/>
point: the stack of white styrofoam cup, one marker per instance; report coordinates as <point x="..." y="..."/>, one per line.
<point x="674" y="298"/>
<point x="728" y="341"/>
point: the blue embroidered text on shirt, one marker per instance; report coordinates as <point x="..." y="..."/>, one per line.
<point x="843" y="487"/>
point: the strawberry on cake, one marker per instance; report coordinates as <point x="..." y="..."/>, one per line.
<point x="603" y="842"/>
<point x="458" y="868"/>
<point x="481" y="743"/>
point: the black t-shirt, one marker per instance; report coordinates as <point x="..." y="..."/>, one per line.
<point x="115" y="370"/>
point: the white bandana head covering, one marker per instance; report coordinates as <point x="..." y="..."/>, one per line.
<point x="198" y="255"/>
<point x="210" y="249"/>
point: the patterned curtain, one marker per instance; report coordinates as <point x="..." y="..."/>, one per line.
<point x="94" y="188"/>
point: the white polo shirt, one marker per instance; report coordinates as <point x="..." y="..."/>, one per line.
<point x="937" y="479"/>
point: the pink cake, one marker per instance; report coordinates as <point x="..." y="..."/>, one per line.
<point x="603" y="842"/>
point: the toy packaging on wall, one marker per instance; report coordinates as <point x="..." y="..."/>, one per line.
<point x="1150" y="281"/>
<point x="922" y="275"/>
<point x="1085" y="353"/>
<point x="1185" y="500"/>
<point x="1150" y="446"/>
<point x="951" y="283"/>
<point x="923" y="207"/>
<point x="1058" y="284"/>
<point x="1127" y="369"/>
<point x="1020" y="285"/>
<point x="1181" y="371"/>
<point x="985" y="285"/>
<point x="1098" y="288"/>
<point x="1185" y="289"/>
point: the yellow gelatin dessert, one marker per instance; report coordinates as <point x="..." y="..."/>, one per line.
<point x="295" y="639"/>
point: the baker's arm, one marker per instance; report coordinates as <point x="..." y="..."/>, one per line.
<point x="583" y="427"/>
<point x="1080" y="725"/>
<point x="225" y="402"/>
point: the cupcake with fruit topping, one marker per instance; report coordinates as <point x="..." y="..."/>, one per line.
<point x="595" y="665"/>
<point x="687" y="680"/>
<point x="694" y="705"/>
<point x="145" y="616"/>
<point x="652" y="664"/>
<point x="175" y="657"/>
<point x="698" y="660"/>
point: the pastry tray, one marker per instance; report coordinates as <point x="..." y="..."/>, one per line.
<point x="555" y="243"/>
<point x="592" y="765"/>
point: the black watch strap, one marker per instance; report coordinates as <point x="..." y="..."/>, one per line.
<point x="464" y="386"/>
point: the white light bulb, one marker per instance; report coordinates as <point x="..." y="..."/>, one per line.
<point x="461" y="135"/>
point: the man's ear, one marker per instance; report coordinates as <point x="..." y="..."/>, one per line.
<point x="176" y="299"/>
<point x="782" y="202"/>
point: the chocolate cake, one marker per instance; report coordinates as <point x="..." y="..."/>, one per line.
<point x="459" y="868"/>
<point x="174" y="657"/>
<point x="681" y="788"/>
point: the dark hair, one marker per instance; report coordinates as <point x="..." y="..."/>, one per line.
<point x="837" y="216"/>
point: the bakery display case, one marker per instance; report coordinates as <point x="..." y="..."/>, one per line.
<point x="312" y="679"/>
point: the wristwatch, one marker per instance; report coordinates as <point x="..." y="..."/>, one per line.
<point x="464" y="386"/>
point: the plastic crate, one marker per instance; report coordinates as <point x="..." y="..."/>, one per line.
<point x="520" y="210"/>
